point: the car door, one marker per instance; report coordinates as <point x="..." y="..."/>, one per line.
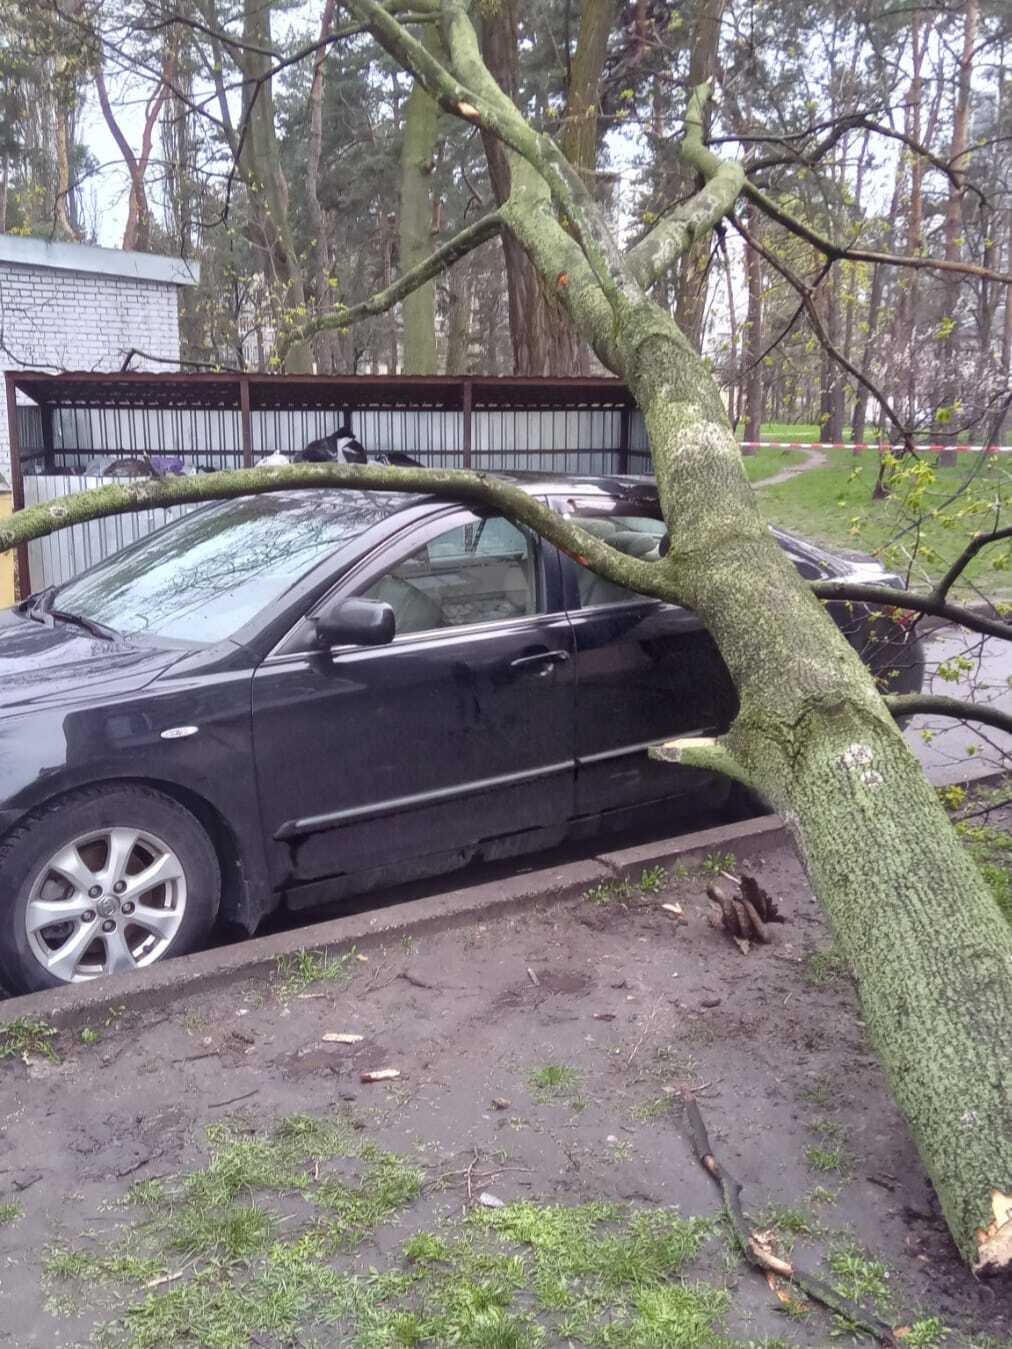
<point x="458" y="731"/>
<point x="644" y="671"/>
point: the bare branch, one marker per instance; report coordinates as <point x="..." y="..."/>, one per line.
<point x="889" y="599"/>
<point x="913" y="704"/>
<point x="444" y="257"/>
<point x="806" y="293"/>
<point x="705" y="752"/>
<point x="842" y="252"/>
<point x="966" y="557"/>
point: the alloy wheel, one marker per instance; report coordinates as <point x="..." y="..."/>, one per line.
<point x="105" y="903"/>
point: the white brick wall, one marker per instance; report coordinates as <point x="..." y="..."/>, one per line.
<point x="81" y="316"/>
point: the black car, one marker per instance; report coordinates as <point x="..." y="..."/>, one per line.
<point x="284" y="699"/>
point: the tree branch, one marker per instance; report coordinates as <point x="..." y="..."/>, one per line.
<point x="36" y="522"/>
<point x="445" y="256"/>
<point x="887" y="598"/>
<point x="966" y="557"/>
<point x="841" y="252"/>
<point x="814" y="318"/>
<point x="476" y="98"/>
<point x="911" y="704"/>
<point x="705" y="752"/>
<point x="675" y="234"/>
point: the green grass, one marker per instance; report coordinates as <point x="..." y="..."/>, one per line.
<point x="825" y="1159"/>
<point x="10" y="1213"/>
<point x="716" y="862"/>
<point x="553" y="1081"/>
<point x="765" y="463"/>
<point x="294" y="974"/>
<point x="608" y="892"/>
<point x="860" y="1277"/>
<point x="27" y="1035"/>
<point x="264" y="1244"/>
<point x="834" y="505"/>
<point x="239" y="1272"/>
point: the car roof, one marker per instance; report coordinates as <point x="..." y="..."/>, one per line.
<point x="618" y="486"/>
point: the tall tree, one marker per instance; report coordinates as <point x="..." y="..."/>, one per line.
<point x="416" y="233"/>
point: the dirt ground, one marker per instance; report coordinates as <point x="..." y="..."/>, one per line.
<point x="540" y="1059"/>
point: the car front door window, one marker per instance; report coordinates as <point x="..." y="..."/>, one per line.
<point x="480" y="571"/>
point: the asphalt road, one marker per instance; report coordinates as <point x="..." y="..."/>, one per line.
<point x="953" y="751"/>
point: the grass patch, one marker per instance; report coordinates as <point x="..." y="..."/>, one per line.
<point x="651" y="1110"/>
<point x="834" y="505"/>
<point x="861" y="1278"/>
<point x="10" y="1213"/>
<point x="653" y="880"/>
<point x="28" y="1035"/>
<point x="553" y="1081"/>
<point x="294" y="974"/>
<point x="768" y="461"/>
<point x="108" y="1266"/>
<point x="607" y="892"/>
<point x="991" y="848"/>
<point x="824" y="1159"/>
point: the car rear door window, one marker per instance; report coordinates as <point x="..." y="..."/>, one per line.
<point x="480" y="571"/>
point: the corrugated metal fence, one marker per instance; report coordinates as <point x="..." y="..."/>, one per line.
<point x="85" y="440"/>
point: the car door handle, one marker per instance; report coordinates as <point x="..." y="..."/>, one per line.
<point x="540" y="664"/>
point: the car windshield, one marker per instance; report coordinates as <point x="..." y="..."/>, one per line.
<point x="206" y="575"/>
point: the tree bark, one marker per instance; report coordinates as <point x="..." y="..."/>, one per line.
<point x="263" y="176"/>
<point x="416" y="234"/>
<point x="958" y="161"/>
<point x="326" y="344"/>
<point x="544" y="341"/>
<point x="752" y="345"/>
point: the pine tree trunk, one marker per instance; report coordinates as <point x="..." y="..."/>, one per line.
<point x="753" y="341"/>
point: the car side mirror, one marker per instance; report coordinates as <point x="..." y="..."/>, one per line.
<point x="354" y="623"/>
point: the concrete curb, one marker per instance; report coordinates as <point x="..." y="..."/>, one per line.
<point x="79" y="1004"/>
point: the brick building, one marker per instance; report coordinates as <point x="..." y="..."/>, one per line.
<point x="74" y="307"/>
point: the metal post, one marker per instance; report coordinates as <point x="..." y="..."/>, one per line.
<point x="466" y="405"/>
<point x="17" y="481"/>
<point x="623" y="440"/>
<point x="247" y="422"/>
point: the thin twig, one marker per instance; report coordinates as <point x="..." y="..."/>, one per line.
<point x="215" y="1105"/>
<point x="757" y="1252"/>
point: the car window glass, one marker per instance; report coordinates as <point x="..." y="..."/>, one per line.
<point x="478" y="572"/>
<point x="635" y="535"/>
<point x="210" y="572"/>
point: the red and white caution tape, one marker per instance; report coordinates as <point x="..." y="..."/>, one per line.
<point x="867" y="445"/>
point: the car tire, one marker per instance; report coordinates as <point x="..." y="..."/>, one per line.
<point x="127" y="875"/>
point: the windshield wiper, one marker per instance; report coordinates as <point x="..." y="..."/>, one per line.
<point x="40" y="608"/>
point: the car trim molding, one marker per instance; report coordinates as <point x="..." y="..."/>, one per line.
<point x="314" y="824"/>
<point x="639" y="748"/>
<point x="408" y="639"/>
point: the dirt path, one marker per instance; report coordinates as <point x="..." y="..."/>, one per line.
<point x="816" y="459"/>
<point x="540" y="1061"/>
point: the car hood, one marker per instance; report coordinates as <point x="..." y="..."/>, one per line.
<point x="42" y="665"/>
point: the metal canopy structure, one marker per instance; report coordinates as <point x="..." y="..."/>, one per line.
<point x="231" y="419"/>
